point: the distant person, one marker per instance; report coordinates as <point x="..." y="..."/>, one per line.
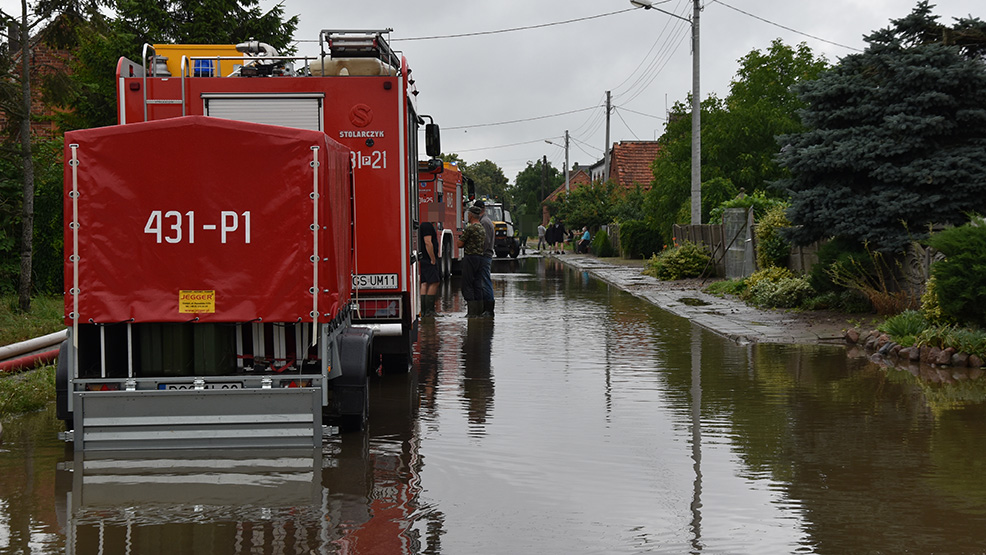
<point x="430" y="276"/>
<point x="559" y="238"/>
<point x="489" y="301"/>
<point x="584" y="242"/>
<point x="541" y="243"/>
<point x="471" y="242"/>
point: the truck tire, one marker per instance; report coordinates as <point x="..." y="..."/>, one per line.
<point x="446" y="264"/>
<point x="515" y="250"/>
<point x="61" y="387"/>
<point x="351" y="391"/>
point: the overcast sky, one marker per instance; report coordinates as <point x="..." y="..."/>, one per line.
<point x="469" y="84"/>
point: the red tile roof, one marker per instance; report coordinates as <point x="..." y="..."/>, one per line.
<point x="575" y="179"/>
<point x="631" y="163"/>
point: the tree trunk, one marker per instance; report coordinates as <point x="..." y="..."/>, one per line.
<point x="27" y="218"/>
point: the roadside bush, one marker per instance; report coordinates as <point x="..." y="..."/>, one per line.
<point x="639" y="240"/>
<point x="875" y="277"/>
<point x="772" y="248"/>
<point x="930" y="307"/>
<point x="758" y="201"/>
<point x="960" y="279"/>
<point x="684" y="261"/>
<point x="907" y="323"/>
<point x="772" y="274"/>
<point x="600" y="244"/>
<point x="788" y="292"/>
<point x="831" y="252"/>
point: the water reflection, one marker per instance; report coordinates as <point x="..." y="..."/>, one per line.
<point x="477" y="372"/>
<point x="588" y="422"/>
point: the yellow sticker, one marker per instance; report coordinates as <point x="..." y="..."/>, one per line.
<point x="194" y="301"/>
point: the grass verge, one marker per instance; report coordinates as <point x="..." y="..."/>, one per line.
<point x="27" y="391"/>
<point x="46" y="316"/>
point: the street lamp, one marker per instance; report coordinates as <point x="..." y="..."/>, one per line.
<point x="566" y="157"/>
<point x="696" y="105"/>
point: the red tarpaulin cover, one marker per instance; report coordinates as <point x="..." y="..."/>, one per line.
<point x="200" y="217"/>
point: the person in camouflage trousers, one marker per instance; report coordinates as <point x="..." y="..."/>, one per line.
<point x="472" y="242"/>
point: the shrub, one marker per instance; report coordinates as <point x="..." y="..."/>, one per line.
<point x="930" y="306"/>
<point x="838" y="250"/>
<point x="772" y="275"/>
<point x="907" y="323"/>
<point x="679" y="262"/>
<point x="874" y="277"/>
<point x="788" y="292"/>
<point x="758" y="201"/>
<point x="601" y="245"/>
<point x="772" y="248"/>
<point x="960" y="279"/>
<point x="639" y="240"/>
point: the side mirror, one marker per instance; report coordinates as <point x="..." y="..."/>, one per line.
<point x="433" y="140"/>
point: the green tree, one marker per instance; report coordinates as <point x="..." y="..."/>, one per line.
<point x="92" y="95"/>
<point x="533" y="184"/>
<point x="738" y="134"/>
<point x="490" y="181"/>
<point x="895" y="139"/>
<point x="587" y="205"/>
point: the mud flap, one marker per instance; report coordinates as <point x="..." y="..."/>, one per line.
<point x="62" y="370"/>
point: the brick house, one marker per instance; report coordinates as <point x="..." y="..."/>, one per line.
<point x="630" y="165"/>
<point x="46" y="60"/>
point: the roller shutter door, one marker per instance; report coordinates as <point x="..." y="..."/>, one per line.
<point x="302" y="111"/>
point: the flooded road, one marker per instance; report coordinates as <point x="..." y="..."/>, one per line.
<point x="580" y="420"/>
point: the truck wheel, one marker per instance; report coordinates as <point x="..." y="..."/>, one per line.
<point x="351" y="391"/>
<point x="515" y="251"/>
<point x="446" y="265"/>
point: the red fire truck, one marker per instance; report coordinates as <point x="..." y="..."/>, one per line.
<point x="441" y="201"/>
<point x="360" y="93"/>
<point x="231" y="279"/>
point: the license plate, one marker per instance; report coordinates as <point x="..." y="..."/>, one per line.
<point x="210" y="385"/>
<point x="375" y="281"/>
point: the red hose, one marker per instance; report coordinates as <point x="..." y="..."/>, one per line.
<point x="28" y="362"/>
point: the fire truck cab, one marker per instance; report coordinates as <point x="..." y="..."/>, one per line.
<point x="359" y="92"/>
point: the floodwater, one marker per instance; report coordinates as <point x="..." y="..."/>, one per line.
<point x="581" y="420"/>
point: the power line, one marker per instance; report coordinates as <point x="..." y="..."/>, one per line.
<point x="626" y="124"/>
<point x="625" y="109"/>
<point x="785" y="27"/>
<point x="522" y="120"/>
<point x="499" y="146"/>
<point x="586" y="144"/>
<point x="525" y="28"/>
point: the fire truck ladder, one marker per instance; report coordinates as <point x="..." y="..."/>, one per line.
<point x="147" y="54"/>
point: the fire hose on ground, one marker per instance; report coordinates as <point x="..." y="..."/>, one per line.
<point x="25" y="354"/>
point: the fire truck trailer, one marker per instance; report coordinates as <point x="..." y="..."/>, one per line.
<point x="208" y="269"/>
<point x="360" y="93"/>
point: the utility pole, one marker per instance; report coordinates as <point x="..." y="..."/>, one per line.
<point x="606" y="150"/>
<point x="566" y="161"/>
<point x="696" y="123"/>
<point x="544" y="174"/>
